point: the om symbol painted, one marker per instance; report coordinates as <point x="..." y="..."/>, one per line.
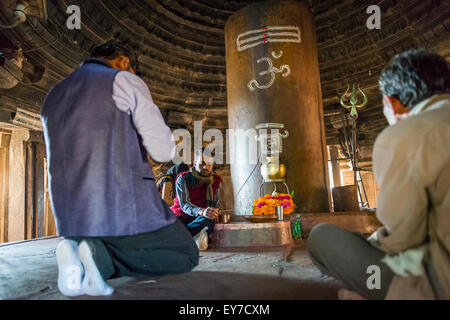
<point x="253" y="84"/>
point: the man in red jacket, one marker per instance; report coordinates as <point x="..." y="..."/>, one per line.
<point x="197" y="194"/>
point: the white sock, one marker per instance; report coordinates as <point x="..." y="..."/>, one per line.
<point x="93" y="283"/>
<point x="70" y="269"/>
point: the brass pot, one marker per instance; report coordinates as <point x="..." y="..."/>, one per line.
<point x="225" y="217"/>
<point x="272" y="171"/>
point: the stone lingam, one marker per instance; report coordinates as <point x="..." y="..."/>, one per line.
<point x="273" y="82"/>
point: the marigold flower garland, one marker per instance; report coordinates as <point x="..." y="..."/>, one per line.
<point x="266" y="205"/>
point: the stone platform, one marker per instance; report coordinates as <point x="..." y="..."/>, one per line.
<point x="242" y="233"/>
<point x="247" y="234"/>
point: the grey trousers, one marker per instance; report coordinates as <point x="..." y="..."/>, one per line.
<point x="346" y="256"/>
<point x="168" y="250"/>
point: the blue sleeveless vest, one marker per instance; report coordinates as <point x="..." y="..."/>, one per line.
<point x="100" y="182"/>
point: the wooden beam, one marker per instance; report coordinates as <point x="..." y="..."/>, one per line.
<point x="39" y="183"/>
<point x="4" y="185"/>
<point x="49" y="220"/>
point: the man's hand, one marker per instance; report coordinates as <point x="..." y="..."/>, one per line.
<point x="211" y="213"/>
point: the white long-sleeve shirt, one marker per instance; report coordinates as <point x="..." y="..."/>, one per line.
<point x="131" y="95"/>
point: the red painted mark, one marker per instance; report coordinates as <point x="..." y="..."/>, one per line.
<point x="265" y="35"/>
<point x="265" y="40"/>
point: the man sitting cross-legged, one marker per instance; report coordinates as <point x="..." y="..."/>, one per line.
<point x="409" y="256"/>
<point x="196" y="203"/>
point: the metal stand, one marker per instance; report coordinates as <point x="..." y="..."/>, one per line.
<point x="351" y="148"/>
<point x="351" y="143"/>
<point x="275" y="181"/>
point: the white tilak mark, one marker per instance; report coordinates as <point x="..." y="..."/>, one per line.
<point x="284" y="34"/>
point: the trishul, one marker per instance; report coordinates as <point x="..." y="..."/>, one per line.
<point x="354" y="100"/>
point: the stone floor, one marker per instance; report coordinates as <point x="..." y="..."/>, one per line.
<point x="28" y="270"/>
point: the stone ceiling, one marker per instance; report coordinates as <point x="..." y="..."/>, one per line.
<point x="182" y="52"/>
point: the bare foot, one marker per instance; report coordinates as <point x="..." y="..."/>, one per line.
<point x="344" y="294"/>
<point x="70" y="269"/>
<point x="93" y="283"/>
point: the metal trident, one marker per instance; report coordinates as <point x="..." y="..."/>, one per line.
<point x="353" y="101"/>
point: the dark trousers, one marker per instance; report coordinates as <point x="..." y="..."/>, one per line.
<point x="346" y="256"/>
<point x="196" y="224"/>
<point x="168" y="250"/>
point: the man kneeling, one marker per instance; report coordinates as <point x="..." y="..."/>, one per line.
<point x="98" y="123"/>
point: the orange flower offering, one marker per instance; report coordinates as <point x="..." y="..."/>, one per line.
<point x="266" y="205"/>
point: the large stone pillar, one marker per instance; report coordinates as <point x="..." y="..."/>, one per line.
<point x="273" y="76"/>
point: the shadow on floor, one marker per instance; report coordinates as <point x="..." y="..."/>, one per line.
<point x="219" y="286"/>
